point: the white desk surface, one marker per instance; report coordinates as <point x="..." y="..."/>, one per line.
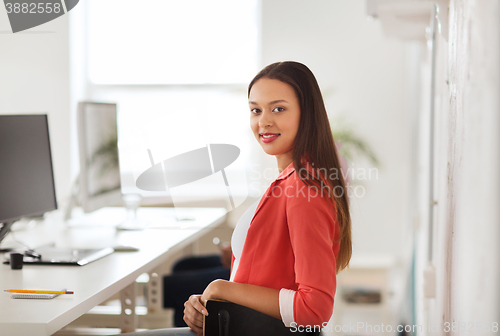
<point x="98" y="280"/>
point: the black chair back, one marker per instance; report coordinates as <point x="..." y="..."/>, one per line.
<point x="231" y="319"/>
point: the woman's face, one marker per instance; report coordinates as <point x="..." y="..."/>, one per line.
<point x="274" y="117"/>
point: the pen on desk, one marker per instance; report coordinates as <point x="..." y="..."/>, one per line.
<point x="33" y="291"/>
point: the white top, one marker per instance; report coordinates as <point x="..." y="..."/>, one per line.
<point x="238" y="238"/>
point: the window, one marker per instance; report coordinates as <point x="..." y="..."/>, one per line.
<point x="172" y="42"/>
<point x="178" y="71"/>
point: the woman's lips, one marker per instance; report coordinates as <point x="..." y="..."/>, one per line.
<point x="267" y="138"/>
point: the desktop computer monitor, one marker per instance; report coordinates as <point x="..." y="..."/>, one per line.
<point x="99" y="165"/>
<point x="26" y="175"/>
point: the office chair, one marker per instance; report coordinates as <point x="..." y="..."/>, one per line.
<point x="231" y="319"/>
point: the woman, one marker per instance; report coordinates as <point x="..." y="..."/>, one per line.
<point x="300" y="234"/>
<point x="288" y="247"/>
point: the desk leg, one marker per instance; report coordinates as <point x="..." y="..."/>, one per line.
<point x="128" y="318"/>
<point x="155" y="296"/>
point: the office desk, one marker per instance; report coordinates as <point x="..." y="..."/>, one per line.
<point x="98" y="280"/>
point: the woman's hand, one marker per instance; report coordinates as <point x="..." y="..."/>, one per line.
<point x="214" y="290"/>
<point x="193" y="313"/>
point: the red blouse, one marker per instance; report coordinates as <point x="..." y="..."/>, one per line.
<point x="290" y="245"/>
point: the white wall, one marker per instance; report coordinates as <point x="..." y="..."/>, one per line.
<point x="467" y="162"/>
<point x="362" y="74"/>
<point x="34" y="78"/>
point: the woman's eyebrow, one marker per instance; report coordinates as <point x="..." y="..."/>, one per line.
<point x="278" y="101"/>
<point x="270" y="103"/>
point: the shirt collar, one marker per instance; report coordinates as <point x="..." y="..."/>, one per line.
<point x="286" y="172"/>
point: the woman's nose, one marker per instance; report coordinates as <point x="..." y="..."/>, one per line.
<point x="265" y="120"/>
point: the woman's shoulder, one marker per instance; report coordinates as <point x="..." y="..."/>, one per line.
<point x="298" y="190"/>
<point x="305" y="177"/>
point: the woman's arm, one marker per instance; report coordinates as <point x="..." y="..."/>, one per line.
<point x="262" y="299"/>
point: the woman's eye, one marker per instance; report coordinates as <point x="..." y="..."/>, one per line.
<point x="278" y="109"/>
<point x="255" y="110"/>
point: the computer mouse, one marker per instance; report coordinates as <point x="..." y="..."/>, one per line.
<point x="125" y="248"/>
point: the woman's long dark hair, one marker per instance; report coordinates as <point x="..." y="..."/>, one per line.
<point x="314" y="144"/>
